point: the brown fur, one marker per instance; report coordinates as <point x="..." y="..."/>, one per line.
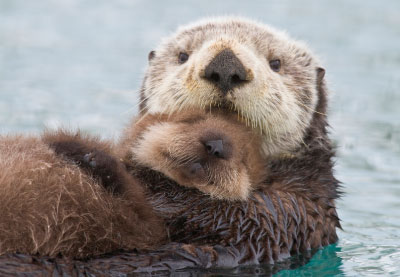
<point x="279" y="219"/>
<point x="50" y="206"/>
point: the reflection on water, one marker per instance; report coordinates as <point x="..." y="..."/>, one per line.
<point x="79" y="63"/>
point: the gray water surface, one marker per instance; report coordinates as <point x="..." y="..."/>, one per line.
<point x="80" y="63"/>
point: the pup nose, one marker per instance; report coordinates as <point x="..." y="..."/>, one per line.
<point x="215" y="148"/>
<point x="225" y="71"/>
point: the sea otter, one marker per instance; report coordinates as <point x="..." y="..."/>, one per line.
<point x="276" y="86"/>
<point x="69" y="194"/>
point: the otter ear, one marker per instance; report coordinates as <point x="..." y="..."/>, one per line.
<point x="322" y="92"/>
<point x="320" y="74"/>
<point x="151" y="55"/>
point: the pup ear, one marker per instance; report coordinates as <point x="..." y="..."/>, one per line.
<point x="151" y="55"/>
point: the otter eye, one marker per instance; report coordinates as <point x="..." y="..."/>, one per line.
<point x="275" y="65"/>
<point x="183" y="57"/>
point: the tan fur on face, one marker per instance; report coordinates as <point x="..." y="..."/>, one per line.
<point x="279" y="105"/>
<point x="171" y="144"/>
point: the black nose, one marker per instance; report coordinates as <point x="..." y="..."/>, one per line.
<point x="215" y="148"/>
<point x="226" y="71"/>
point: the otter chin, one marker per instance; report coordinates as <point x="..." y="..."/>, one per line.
<point x="268" y="79"/>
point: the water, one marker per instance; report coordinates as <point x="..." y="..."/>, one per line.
<point x="80" y="63"/>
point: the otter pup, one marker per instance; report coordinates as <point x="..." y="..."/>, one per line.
<point x="51" y="188"/>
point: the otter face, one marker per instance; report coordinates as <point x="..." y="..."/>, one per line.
<point x="241" y="67"/>
<point x="211" y="153"/>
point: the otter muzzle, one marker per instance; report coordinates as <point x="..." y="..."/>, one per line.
<point x="225" y="71"/>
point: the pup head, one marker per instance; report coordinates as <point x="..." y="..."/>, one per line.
<point x="213" y="153"/>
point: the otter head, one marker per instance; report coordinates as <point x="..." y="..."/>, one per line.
<point x="269" y="80"/>
<point x="213" y="153"/>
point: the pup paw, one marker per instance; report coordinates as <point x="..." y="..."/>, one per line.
<point x="103" y="166"/>
<point x="90" y="159"/>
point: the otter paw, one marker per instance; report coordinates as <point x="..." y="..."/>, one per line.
<point x="106" y="168"/>
<point x="100" y="163"/>
<point x="90" y="159"/>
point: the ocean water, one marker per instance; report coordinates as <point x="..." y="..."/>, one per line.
<point x="80" y="63"/>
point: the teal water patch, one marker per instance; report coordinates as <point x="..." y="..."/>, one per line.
<point x="326" y="262"/>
